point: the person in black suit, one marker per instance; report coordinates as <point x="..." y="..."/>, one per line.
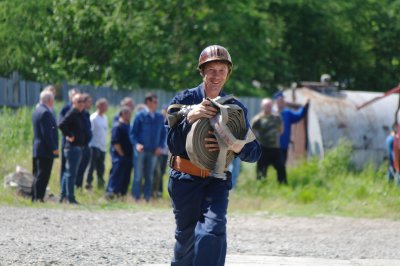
<point x="45" y="144"/>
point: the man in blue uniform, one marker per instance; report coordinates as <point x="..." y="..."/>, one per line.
<point x="289" y="117"/>
<point x="45" y="144"/>
<point x="121" y="156"/>
<point x="200" y="201"/>
<point x="148" y="139"/>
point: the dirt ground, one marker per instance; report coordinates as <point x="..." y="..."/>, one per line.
<point x="77" y="236"/>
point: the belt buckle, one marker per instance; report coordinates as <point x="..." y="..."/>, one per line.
<point x="203" y="173"/>
<point x="172" y="161"/>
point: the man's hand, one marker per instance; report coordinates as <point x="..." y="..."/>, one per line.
<point x="211" y="142"/>
<point x="56" y="152"/>
<point x="157" y="152"/>
<point x="118" y="149"/>
<point x="139" y="147"/>
<point x="70" y="139"/>
<point x="204" y="109"/>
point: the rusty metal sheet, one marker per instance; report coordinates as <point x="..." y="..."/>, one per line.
<point x="333" y="117"/>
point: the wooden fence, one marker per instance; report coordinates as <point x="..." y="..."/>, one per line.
<point x="15" y="93"/>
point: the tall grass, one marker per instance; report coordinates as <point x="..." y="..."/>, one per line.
<point x="316" y="187"/>
<point x="329" y="186"/>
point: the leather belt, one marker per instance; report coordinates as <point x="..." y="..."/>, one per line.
<point x="185" y="166"/>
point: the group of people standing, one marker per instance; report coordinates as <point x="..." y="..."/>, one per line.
<point x="83" y="146"/>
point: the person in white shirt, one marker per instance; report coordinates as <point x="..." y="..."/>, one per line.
<point x="98" y="143"/>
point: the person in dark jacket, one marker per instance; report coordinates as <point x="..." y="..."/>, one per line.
<point x="121" y="156"/>
<point x="73" y="129"/>
<point x="88" y="136"/>
<point x="45" y="144"/>
<point x="63" y="112"/>
<point x="200" y="198"/>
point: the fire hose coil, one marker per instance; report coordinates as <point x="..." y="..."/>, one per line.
<point x="230" y="130"/>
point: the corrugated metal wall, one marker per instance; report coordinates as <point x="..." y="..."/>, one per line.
<point x="334" y="117"/>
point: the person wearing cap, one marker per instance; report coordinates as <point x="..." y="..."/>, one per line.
<point x="200" y="200"/>
<point x="289" y="117"/>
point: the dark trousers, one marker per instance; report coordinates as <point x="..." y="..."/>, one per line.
<point x="284" y="155"/>
<point x="96" y="163"/>
<point x="41" y="176"/>
<point x="120" y="175"/>
<point x="82" y="166"/>
<point x="159" y="171"/>
<point x="274" y="157"/>
<point x="63" y="159"/>
<point x="200" y="207"/>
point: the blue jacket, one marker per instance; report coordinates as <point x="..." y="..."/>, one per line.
<point x="120" y="135"/>
<point x="148" y="131"/>
<point x="290" y="117"/>
<point x="45" y="132"/>
<point x="176" y="138"/>
<point x="389" y="145"/>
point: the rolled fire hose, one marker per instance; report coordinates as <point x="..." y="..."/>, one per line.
<point x="230" y="130"/>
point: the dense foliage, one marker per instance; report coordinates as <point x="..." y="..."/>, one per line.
<point x="155" y="44"/>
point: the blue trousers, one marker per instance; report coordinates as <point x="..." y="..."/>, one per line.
<point x="120" y="175"/>
<point x="144" y="167"/>
<point x="200" y="207"/>
<point x="234" y="168"/>
<point x="73" y="157"/>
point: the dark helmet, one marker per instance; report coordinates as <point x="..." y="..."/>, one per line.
<point x="215" y="53"/>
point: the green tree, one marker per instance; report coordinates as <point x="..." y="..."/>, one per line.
<point x="156" y="44"/>
<point x="20" y="34"/>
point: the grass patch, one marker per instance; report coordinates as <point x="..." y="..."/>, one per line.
<point x="316" y="187"/>
<point x="321" y="187"/>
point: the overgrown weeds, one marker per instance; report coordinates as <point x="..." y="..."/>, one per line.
<point x="330" y="186"/>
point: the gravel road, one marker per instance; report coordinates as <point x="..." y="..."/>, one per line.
<point x="76" y="236"/>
